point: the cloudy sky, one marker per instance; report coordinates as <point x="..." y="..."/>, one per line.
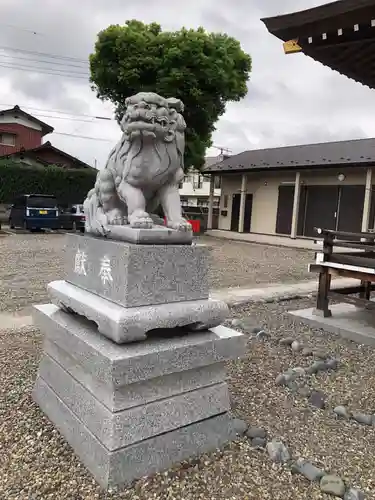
<point x="291" y="99"/>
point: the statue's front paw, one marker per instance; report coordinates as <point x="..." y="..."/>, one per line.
<point x="141" y="220"/>
<point x="118" y="221"/>
<point x="180" y="225"/>
<point x="116" y="218"/>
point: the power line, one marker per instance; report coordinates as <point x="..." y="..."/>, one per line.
<point x="73" y="119"/>
<point x="84" y="137"/>
<point x="61" y="112"/>
<point x="66" y="64"/>
<point x="56" y="70"/>
<point x="37" y="70"/>
<point x="44" y="54"/>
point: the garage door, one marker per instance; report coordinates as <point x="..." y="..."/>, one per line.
<point x="285" y="210"/>
<point x="235" y="221"/>
<point x="351" y="208"/>
<point x="321" y="208"/>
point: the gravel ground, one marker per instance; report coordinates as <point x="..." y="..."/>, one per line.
<point x="35" y="462"/>
<point x="30" y="261"/>
<point x="235" y="264"/>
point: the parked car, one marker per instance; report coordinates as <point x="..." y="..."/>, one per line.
<point x="72" y="217"/>
<point x="79" y="218"/>
<point x="65" y="217"/>
<point x="34" y="212"/>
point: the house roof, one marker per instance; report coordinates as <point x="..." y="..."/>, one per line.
<point x="210" y="160"/>
<point x="46" y="129"/>
<point x="48" y="146"/>
<point x="360" y="152"/>
<point x="339" y="34"/>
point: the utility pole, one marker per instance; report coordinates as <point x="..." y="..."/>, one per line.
<point x="224" y="152"/>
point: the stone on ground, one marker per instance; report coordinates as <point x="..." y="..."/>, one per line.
<point x="278" y="452"/>
<point x="296" y="346"/>
<point x="318" y="399"/>
<point x="316" y="367"/>
<point x="307" y="469"/>
<point x="258" y="442"/>
<point x="354" y="494"/>
<point x="299" y="371"/>
<point x="332" y="364"/>
<point x="288" y="341"/>
<point x="256" y="432"/>
<point x="319" y="353"/>
<point x="362" y="418"/>
<point x="281" y="379"/>
<point x="307" y="351"/>
<point x="240" y="426"/>
<point x="260" y="334"/>
<point x="341" y="412"/>
<point x="332" y="485"/>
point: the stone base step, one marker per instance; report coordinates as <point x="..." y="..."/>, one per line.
<point x="123" y="466"/>
<point x="117" y="398"/>
<point x="131" y="425"/>
<point x="120" y="365"/>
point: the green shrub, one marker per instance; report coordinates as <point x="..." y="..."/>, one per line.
<point x="69" y="186"/>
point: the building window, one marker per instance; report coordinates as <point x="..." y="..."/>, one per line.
<point x="202" y="202"/>
<point x="198" y="182"/>
<point x="217" y="182"/>
<point x="225" y="201"/>
<point x="7" y="139"/>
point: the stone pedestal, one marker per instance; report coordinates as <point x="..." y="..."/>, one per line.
<point x="132" y="410"/>
<point x="133" y="369"/>
<point x="137" y="275"/>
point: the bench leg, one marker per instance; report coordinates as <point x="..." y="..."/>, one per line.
<point x="365" y="292"/>
<point x="322" y="301"/>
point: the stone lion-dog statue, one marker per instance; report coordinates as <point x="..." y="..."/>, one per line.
<point x="143" y="170"/>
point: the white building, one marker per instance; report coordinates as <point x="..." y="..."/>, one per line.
<point x="195" y="188"/>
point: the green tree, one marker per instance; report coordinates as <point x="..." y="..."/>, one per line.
<point x="204" y="70"/>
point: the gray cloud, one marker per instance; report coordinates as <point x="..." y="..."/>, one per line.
<point x="291" y="99"/>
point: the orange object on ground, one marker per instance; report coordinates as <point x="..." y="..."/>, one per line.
<point x="195" y="224"/>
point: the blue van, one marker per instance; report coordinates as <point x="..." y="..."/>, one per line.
<point x="34" y="211"/>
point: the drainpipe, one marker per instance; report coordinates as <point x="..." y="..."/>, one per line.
<point x="297" y="196"/>
<point x="242" y="203"/>
<point x="367" y="202"/>
<point x="211" y="202"/>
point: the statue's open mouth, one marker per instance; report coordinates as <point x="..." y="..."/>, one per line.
<point x="150" y="126"/>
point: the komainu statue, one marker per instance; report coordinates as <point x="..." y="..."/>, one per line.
<point x="144" y="169"/>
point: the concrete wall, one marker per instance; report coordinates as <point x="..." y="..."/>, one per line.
<point x="264" y="188"/>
